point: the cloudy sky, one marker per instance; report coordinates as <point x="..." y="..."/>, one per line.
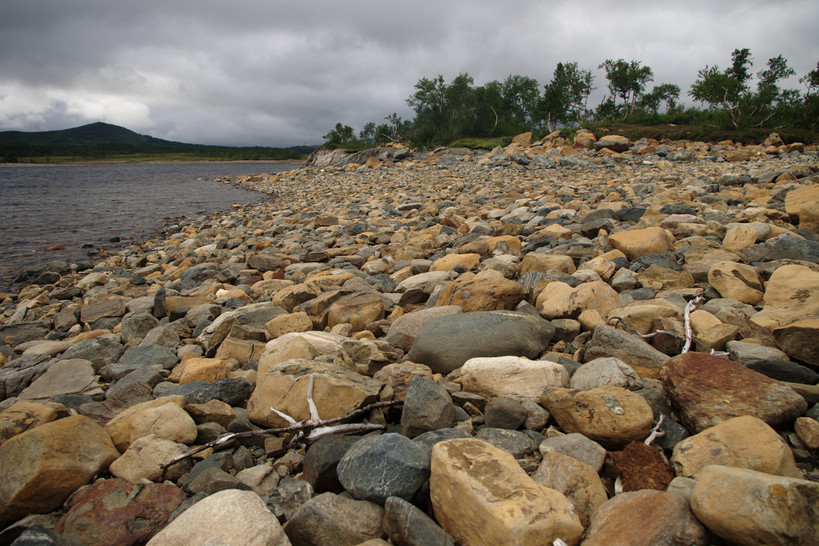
<point x="279" y="73"/>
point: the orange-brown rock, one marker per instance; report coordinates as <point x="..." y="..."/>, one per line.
<point x="707" y="390"/>
<point x="487" y="291"/>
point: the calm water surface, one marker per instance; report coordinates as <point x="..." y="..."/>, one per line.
<point x="77" y="205"/>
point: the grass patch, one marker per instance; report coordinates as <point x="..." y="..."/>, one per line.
<point x="481" y="143"/>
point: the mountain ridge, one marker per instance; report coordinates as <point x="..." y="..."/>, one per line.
<point x="101" y="139"/>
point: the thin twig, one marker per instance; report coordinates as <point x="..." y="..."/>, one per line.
<point x="656" y="431"/>
<point x="689" y="334"/>
<point x="281" y="430"/>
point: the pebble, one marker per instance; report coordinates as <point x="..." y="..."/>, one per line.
<point x="515" y="287"/>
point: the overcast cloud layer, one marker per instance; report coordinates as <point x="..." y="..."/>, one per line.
<point x="280" y="73"/>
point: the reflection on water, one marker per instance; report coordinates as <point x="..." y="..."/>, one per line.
<point x="74" y="205"/>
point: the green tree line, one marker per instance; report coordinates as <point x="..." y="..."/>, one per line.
<point x="729" y="99"/>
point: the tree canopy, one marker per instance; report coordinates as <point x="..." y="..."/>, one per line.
<point x="449" y="110"/>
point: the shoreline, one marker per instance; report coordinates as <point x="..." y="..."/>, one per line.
<point x="493" y="285"/>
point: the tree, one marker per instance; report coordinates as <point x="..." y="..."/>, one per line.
<point x="367" y="134"/>
<point x="521" y="95"/>
<point x="627" y="81"/>
<point x="341" y="135"/>
<point x="666" y="92"/>
<point x="564" y="98"/>
<point x="726" y="89"/>
<point x="770" y="99"/>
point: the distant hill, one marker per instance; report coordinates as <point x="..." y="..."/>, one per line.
<point x="103" y="139"/>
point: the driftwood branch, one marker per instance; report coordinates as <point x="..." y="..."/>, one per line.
<point x="298" y="427"/>
<point x="656" y="432"/>
<point x="689" y="334"/>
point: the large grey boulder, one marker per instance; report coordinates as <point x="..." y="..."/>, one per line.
<point x="445" y="343"/>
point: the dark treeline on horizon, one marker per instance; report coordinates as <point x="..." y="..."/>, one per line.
<point x="730" y="99"/>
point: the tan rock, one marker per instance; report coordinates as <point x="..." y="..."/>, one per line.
<point x="269" y="287"/>
<point x="809" y="216"/>
<point x="640" y="316"/>
<point x="212" y="411"/>
<point x="557" y="231"/>
<point x="738" y="237"/>
<point x="240" y="349"/>
<point x="584" y="139"/>
<point x="199" y="369"/>
<point x="451" y="261"/>
<point x="511" y="241"/>
<point x="472" y="481"/>
<point x="736" y="281"/>
<point x="741" y="442"/>
<point x="41" y="467"/>
<point x="748" y="507"/>
<point x="24" y="415"/>
<point x="808" y="431"/>
<point x="645" y="518"/>
<point x="489" y="290"/>
<point x="337" y="390"/>
<point x="230" y="517"/>
<point x="144" y="457"/>
<point x="663" y="278"/>
<point x="167" y="422"/>
<point x="286" y="348"/>
<point x="119" y="428"/>
<point x="612" y="416"/>
<point x="292" y="322"/>
<point x="578" y="481"/>
<point x="796" y="199"/>
<point x="792" y="293"/>
<point x="512" y="376"/>
<point x="735" y="156"/>
<point x="397" y="376"/>
<point x="523" y="139"/>
<point x="638" y="242"/>
<point x="290" y="296"/>
<point x="535" y="261"/>
<point x="357" y="309"/>
<point x="569" y="304"/>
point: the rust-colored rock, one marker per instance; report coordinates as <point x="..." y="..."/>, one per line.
<point x="642" y="467"/>
<point x="118" y="512"/>
<point x="486" y="291"/>
<point x="707" y="390"/>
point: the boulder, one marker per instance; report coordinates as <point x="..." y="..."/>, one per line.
<point x="645" y="518"/>
<point x="445" y="343"/>
<point x="639" y="242"/>
<point x="605" y="371"/>
<point x="59" y="456"/>
<point x="707" y="390"/>
<point x="736" y="281"/>
<point x="517" y="377"/>
<point x="489" y="290"/>
<point x="596" y="295"/>
<point x="227" y="517"/>
<point x="378" y="467"/>
<point x="611" y="416"/>
<point x="337" y="390"/>
<point x="405" y="329"/>
<point x="740" y="442"/>
<point x="358" y="309"/>
<point x="115" y="511"/>
<point x="609" y="341"/>
<point x="471" y="481"/>
<point x="791" y="294"/>
<point x="749" y="507"/>
<point x="334" y="519"/>
<point x="575" y="479"/>
<point x="427" y="406"/>
<point x="404" y="523"/>
<point x="144" y="457"/>
<point x="24" y="415"/>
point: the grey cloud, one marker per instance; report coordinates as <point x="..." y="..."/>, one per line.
<point x="282" y="72"/>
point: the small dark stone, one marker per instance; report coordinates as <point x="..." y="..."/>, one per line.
<point x="428" y="406"/>
<point x="515" y="442"/>
<point x="785" y="370"/>
<point x="319" y="468"/>
<point x="234" y="391"/>
<point x="406" y="524"/>
<point x="505" y="413"/>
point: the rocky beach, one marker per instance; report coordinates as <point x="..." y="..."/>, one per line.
<point x="574" y="341"/>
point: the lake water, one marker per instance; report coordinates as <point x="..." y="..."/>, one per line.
<point x="80" y="205"/>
